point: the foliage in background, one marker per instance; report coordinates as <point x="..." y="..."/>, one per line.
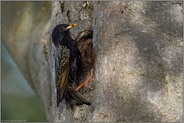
<point x="19" y="102"/>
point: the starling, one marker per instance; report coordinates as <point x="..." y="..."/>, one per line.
<point x="85" y="46"/>
<point x="68" y="61"/>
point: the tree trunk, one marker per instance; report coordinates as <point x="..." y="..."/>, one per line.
<point x="138" y="69"/>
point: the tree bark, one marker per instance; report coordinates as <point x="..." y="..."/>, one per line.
<point x="138" y="69"/>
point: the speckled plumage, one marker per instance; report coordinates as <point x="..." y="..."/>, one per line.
<point x="62" y="70"/>
<point x="68" y="59"/>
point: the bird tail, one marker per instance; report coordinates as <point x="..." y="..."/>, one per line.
<point x="73" y="97"/>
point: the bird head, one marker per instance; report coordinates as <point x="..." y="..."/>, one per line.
<point x="61" y="31"/>
<point x="63" y="28"/>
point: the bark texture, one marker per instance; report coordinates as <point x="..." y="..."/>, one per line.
<point x="139" y="61"/>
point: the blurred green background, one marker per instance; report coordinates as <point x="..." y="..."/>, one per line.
<point x="19" y="103"/>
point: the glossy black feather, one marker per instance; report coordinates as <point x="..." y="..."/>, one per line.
<point x="68" y="60"/>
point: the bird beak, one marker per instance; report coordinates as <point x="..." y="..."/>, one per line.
<point x="71" y="26"/>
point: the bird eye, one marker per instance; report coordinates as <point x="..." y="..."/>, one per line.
<point x="62" y="28"/>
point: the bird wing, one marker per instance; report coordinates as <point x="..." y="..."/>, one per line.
<point x="85" y="46"/>
<point x="62" y="71"/>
